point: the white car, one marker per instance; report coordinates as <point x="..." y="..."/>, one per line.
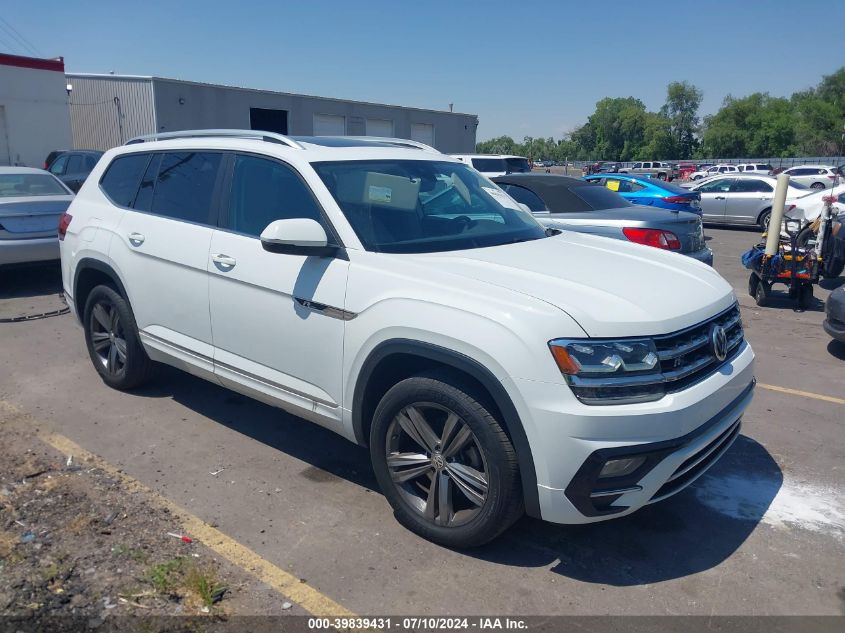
<point x="495" y="164"/>
<point x="809" y="207"/>
<point x="399" y="298"/>
<point x="813" y="176"/>
<point x="715" y="170"/>
<point x="764" y="169"/>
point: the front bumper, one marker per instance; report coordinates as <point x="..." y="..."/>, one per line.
<point x="571" y="441"/>
<point x="835" y="328"/>
<point x="29" y="251"/>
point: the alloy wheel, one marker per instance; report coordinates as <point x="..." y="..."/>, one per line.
<point x="437" y="464"/>
<point x="107" y="337"/>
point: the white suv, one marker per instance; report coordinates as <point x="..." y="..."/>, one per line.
<point x="401" y="299"/>
<point x="495" y="164"/>
<point x="715" y="170"/>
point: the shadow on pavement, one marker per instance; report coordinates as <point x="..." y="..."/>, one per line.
<point x="836" y="349"/>
<point x="30" y="281"/>
<point x="686" y="534"/>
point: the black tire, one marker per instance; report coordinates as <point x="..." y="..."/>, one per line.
<point x="465" y="523"/>
<point x="107" y="321"/>
<point x="763" y="220"/>
<point x="804" y="237"/>
<point x="753" y="282"/>
<point x="761" y="295"/>
<point x="818" y="186"/>
<point x="833" y="268"/>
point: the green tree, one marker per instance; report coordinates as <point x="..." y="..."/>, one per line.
<point x="681" y="109"/>
<point x="757" y="125"/>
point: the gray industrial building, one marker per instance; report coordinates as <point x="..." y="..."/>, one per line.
<point x="107" y="110"/>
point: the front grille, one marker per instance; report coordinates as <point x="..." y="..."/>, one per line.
<point x="687" y="356"/>
<point x="695" y="465"/>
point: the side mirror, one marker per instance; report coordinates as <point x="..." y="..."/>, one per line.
<point x="299" y="236"/>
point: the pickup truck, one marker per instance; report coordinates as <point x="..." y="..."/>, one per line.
<point x="654" y="168"/>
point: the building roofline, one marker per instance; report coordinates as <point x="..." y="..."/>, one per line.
<point x="276" y="92"/>
<point x="55" y="64"/>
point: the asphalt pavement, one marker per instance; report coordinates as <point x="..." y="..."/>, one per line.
<point x="762" y="533"/>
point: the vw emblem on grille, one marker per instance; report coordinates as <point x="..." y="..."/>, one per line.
<point x="719" y="342"/>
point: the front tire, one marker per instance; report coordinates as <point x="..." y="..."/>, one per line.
<point x="764" y="219"/>
<point x="818" y="186"/>
<point x="111" y="336"/>
<point x="444" y="462"/>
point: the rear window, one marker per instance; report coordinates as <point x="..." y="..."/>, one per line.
<point x="26" y="185"/>
<point x="120" y="182"/>
<point x="490" y="164"/>
<point x="519" y="165"/>
<point x="600" y="198"/>
<point x="668" y="186"/>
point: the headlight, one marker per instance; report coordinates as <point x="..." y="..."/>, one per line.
<point x="610" y="372"/>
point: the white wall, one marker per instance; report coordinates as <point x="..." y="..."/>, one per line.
<point x="36" y="113"/>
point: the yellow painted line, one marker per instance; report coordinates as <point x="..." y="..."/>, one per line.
<point x="803" y="394"/>
<point x="290" y="586"/>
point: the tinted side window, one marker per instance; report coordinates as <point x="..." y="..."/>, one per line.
<point x="144" y="199"/>
<point x="265" y="190"/>
<point x="75" y="164"/>
<point x="185" y="186"/>
<point x="90" y="162"/>
<point x="720" y="185"/>
<point x="121" y="179"/>
<point x="525" y="196"/>
<point x="750" y="185"/>
<point x="58" y="166"/>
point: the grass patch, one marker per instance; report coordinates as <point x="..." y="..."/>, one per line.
<point x="182" y="576"/>
<point x="166" y="577"/>
<point x="132" y="553"/>
<point x="206" y="585"/>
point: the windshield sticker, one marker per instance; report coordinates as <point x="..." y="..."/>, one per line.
<point x="502" y="198"/>
<point x="380" y="194"/>
<point x="613" y="185"/>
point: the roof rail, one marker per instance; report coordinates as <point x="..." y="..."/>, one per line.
<point x="269" y="137"/>
<point x="395" y="141"/>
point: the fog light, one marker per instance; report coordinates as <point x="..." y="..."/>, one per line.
<point x="620" y="467"/>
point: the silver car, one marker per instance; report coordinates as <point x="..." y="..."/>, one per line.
<point x="31" y="203"/>
<point x="742" y="199"/>
<point x="576" y="205"/>
<point x="814" y="176"/>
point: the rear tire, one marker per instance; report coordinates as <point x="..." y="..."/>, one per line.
<point x="764" y="219"/>
<point x="444" y="462"/>
<point x="818" y="186"/>
<point x="111" y="336"/>
<point x="761" y="294"/>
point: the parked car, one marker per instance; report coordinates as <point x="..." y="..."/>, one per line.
<point x="397" y="297"/>
<point x="834" y="309"/>
<point x="603" y="167"/>
<point x="763" y="169"/>
<point x="814" y="176"/>
<point x="31" y="203"/>
<point x="742" y="198"/>
<point x="571" y="204"/>
<point x="72" y="167"/>
<point x="715" y="170"/>
<point x="495" y="164"/>
<point x="654" y="168"/>
<point x="685" y="169"/>
<point x="649" y="191"/>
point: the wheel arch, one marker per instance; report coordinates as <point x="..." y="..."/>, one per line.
<point x="396" y="359"/>
<point x="90" y="273"/>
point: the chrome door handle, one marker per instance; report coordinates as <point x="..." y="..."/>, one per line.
<point x="224" y="262"/>
<point x="136" y="239"/>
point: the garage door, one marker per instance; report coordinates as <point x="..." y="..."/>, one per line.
<point x="379" y="127"/>
<point x="422" y="132"/>
<point x="329" y="125"/>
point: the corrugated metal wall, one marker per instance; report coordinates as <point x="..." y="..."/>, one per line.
<point x="94" y="112"/>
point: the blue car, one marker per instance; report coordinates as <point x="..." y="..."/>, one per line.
<point x="650" y="192"/>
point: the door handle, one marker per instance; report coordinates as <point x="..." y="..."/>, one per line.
<point x="223" y="262"/>
<point x="136" y="239"/>
<point x="719" y="198"/>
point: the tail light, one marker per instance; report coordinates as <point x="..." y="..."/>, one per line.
<point x="831" y="176"/>
<point x="653" y="237"/>
<point x="678" y="199"/>
<point x="64" y="222"/>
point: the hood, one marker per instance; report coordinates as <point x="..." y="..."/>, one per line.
<point x="610" y="287"/>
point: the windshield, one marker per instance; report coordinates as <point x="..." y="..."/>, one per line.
<point x="24" y="185"/>
<point x="421" y="206"/>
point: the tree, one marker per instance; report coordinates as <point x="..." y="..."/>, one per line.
<point x="757" y="125"/>
<point x="681" y="109"/>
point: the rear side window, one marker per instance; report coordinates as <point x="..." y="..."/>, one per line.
<point x="75" y="164"/>
<point x="120" y="182"/>
<point x="264" y="191"/>
<point x="90" y="162"/>
<point x="58" y="166"/>
<point x="185" y="186"/>
<point x="751" y="185"/>
<point x="525" y="196"/>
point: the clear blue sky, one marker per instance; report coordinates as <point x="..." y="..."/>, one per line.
<point x="526" y="68"/>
